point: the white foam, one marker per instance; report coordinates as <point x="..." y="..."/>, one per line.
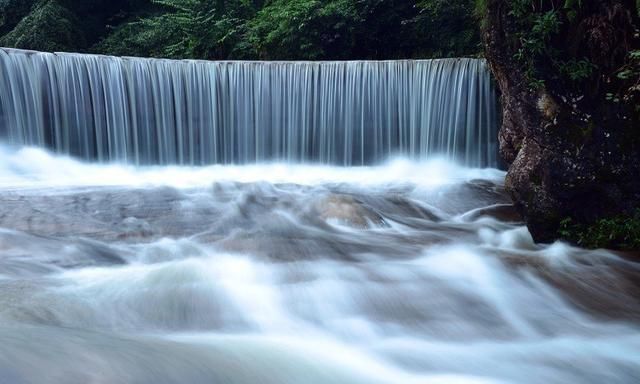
<point x="30" y="167"/>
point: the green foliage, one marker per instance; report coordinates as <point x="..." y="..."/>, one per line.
<point x="368" y="29"/>
<point x="203" y="29"/>
<point x="65" y="25"/>
<point x="12" y="11"/>
<point x="253" y="29"/>
<point x="536" y="27"/>
<point x="50" y="27"/>
<point x="629" y="74"/>
<point x="571" y="7"/>
<point x="619" y="232"/>
<point x="538" y="24"/>
<point x="138" y="39"/>
<point x="576" y="70"/>
<point x="552" y="48"/>
<point x="312" y="29"/>
<point x="450" y="27"/>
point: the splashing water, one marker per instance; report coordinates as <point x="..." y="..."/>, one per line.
<point x="405" y="272"/>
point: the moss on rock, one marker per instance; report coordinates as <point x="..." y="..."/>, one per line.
<point x="570" y="130"/>
<point x="619" y="232"/>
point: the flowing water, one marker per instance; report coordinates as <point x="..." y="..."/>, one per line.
<point x="149" y="111"/>
<point x="402" y="273"/>
<point x="288" y="270"/>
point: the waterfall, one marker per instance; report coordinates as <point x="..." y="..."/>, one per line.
<point x="156" y="111"/>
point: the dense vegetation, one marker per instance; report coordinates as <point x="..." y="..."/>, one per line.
<point x="244" y="29"/>
<point x="622" y="231"/>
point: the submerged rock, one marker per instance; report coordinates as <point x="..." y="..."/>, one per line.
<point x="134" y="227"/>
<point x="501" y="212"/>
<point x="347" y="210"/>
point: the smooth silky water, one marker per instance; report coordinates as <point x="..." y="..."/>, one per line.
<point x="139" y="246"/>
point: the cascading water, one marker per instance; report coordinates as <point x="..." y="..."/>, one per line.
<point x="412" y="270"/>
<point x="147" y="111"/>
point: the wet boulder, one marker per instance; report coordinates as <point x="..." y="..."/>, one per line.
<point x="347" y="210"/>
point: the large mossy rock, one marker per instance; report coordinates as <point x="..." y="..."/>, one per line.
<point x="569" y="73"/>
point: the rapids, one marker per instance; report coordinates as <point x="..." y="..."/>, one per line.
<point x="406" y="272"/>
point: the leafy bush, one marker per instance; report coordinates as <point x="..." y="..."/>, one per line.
<point x="139" y="39"/>
<point x="450" y="28"/>
<point x="12" y="11"/>
<point x="246" y="29"/>
<point x="312" y="29"/>
<point x="49" y="27"/>
<point x="619" y="232"/>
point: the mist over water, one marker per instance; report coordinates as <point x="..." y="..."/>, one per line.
<point x="407" y="272"/>
<point x="191" y="225"/>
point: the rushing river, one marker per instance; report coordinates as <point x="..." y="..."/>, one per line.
<point x="401" y="273"/>
<point x="179" y="233"/>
